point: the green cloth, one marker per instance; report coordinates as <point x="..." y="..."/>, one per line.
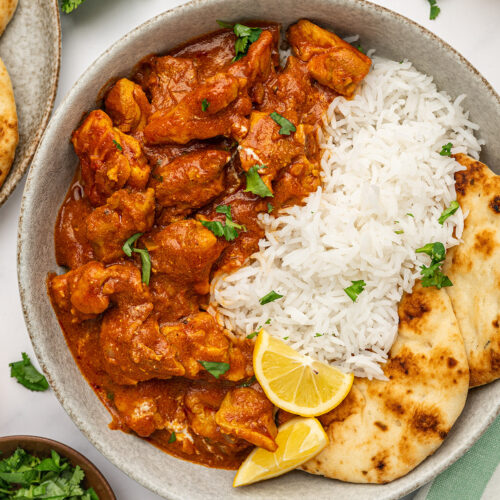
<point x="467" y="478"/>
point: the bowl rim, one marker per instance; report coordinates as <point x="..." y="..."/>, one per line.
<point x="453" y="456"/>
<point x="74" y="456"/>
<point x="14" y="177"/>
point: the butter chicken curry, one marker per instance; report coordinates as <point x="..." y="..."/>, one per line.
<point x="174" y="172"/>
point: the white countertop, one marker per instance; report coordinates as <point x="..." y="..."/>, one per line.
<point x="470" y="27"/>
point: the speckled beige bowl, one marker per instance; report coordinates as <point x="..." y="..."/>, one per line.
<point x="53" y="168"/>
<point x="31" y="50"/>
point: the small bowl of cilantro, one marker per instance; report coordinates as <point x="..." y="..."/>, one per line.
<point x="34" y="467"/>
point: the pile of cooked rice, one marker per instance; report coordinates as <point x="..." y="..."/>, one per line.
<point x="384" y="187"/>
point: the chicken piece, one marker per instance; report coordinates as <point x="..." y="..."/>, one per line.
<point x="247" y="414"/>
<point x="169" y="79"/>
<point x="185" y="251"/>
<point x="201" y="404"/>
<point x="128" y="106"/>
<point x="73" y="249"/>
<point x="171" y="300"/>
<point x="190" y="181"/>
<point x="124" y="214"/>
<point x="150" y="406"/>
<point x="330" y="60"/>
<point x="109" y="159"/>
<point x="224" y="114"/>
<point x="197" y="338"/>
<point x="296" y="181"/>
<point x="80" y="291"/>
<point x="217" y="106"/>
<point x="265" y="146"/>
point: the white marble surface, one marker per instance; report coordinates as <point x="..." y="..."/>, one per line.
<point x="470" y="27"/>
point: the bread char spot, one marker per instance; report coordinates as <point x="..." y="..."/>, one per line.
<point x="485" y="242"/>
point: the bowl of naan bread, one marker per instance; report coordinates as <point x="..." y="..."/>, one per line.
<point x="28" y="82"/>
<point x="374" y="258"/>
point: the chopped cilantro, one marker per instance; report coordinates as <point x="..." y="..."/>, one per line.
<point x="287" y="127"/>
<point x="26" y="476"/>
<point x="446" y="149"/>
<point x="27" y="375"/>
<point x="204" y="105"/>
<point x="215" y="368"/>
<point x="270" y="208"/>
<point x="286" y="338"/>
<point x="250" y="336"/>
<point x="361" y="49"/>
<point x="435" y="10"/>
<point x="118" y="145"/>
<point x="229" y="229"/>
<point x="270" y="297"/>
<point x="255" y="184"/>
<point x="410" y="214"/>
<point x="172" y="438"/>
<point x="355" y="289"/>
<point x="68" y="6"/>
<point x="454" y="206"/>
<point x="432" y="275"/>
<point x="267" y="321"/>
<point x="245" y="37"/>
<point x="128" y="248"/>
<point x="399" y="231"/>
<point x="318" y="334"/>
<point x="110" y="395"/>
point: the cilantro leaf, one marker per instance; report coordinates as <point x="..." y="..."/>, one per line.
<point x="128" y="248"/>
<point x="435" y="251"/>
<point x="172" y="438"/>
<point x="432" y="275"/>
<point x="215" y="368"/>
<point x="229" y="229"/>
<point x="145" y="264"/>
<point x="118" y="145"/>
<point x="287" y="127"/>
<point x="27" y="375"/>
<point x="361" y="49"/>
<point x="255" y="184"/>
<point x="454" y="206"/>
<point x="253" y="334"/>
<point x="204" y="105"/>
<point x="245" y="37"/>
<point x="68" y="6"/>
<point x="355" y="289"/>
<point x="270" y="297"/>
<point x="270" y="208"/>
<point x="128" y="245"/>
<point x="446" y="149"/>
<point x="435" y="10"/>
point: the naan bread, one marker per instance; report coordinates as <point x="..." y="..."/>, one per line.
<point x="7" y="9"/>
<point x="384" y="429"/>
<point x="8" y="124"/>
<point x="474" y="269"/>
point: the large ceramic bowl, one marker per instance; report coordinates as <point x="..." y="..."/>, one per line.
<point x="52" y="170"/>
<point x="31" y="51"/>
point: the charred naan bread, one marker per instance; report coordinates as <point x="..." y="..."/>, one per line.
<point x="474" y="269"/>
<point x="7" y="9"/>
<point x="8" y="124"/>
<point x="383" y="429"/>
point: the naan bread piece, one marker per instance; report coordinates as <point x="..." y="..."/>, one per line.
<point x="7" y="9"/>
<point x="474" y="269"/>
<point x="9" y="136"/>
<point x="383" y="429"/>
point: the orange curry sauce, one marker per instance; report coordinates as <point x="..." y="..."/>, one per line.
<point x="169" y="146"/>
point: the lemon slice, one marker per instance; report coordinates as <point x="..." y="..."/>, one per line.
<point x="297" y="383"/>
<point x="299" y="440"/>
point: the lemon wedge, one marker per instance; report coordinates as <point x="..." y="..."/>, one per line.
<point x="299" y="440"/>
<point x="297" y="383"/>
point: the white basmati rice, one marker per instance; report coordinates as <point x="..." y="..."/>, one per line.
<point x="380" y="164"/>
